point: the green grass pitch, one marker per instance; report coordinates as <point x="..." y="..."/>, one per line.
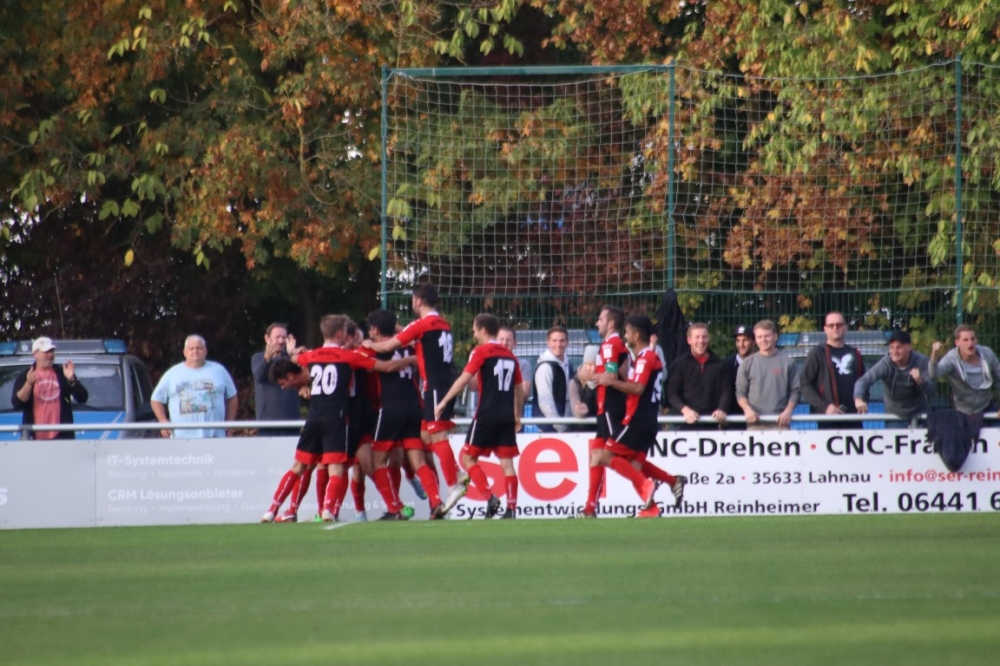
<point x="913" y="589"/>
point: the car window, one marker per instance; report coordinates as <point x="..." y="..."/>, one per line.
<point x="7" y="375"/>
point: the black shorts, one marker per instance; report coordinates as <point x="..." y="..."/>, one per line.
<point x="608" y="423"/>
<point x="635" y="439"/>
<point x="398" y="423"/>
<point x="361" y="423"/>
<point x="431" y="397"/>
<point x="327" y="436"/>
<point x="491" y="434"/>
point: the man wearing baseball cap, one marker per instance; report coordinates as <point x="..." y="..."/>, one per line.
<point x="743" y="336"/>
<point x="44" y="392"/>
<point x="906" y="383"/>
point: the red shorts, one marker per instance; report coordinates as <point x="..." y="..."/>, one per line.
<point x="486" y="452"/>
<point x="387" y="446"/>
<point x="436" y="426"/>
<point x="413" y="444"/>
<point x="625" y="452"/>
<point x="336" y="458"/>
<point x="307" y="458"/>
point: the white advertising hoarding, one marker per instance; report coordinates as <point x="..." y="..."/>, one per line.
<point x="730" y="472"/>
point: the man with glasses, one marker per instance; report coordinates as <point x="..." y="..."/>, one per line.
<point x="831" y="370"/>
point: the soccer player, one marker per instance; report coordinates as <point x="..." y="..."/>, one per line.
<point x="399" y="415"/>
<point x="625" y="451"/>
<point x="498" y="414"/>
<point x="613" y="359"/>
<point x="432" y="337"/>
<point x="324" y="439"/>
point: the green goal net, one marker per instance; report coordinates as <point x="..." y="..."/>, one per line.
<point x="541" y="193"/>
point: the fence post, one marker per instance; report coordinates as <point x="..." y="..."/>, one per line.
<point x="385" y="184"/>
<point x="670" y="177"/>
<point x="959" y="262"/>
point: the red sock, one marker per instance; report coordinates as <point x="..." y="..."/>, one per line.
<point x="511" y="491"/>
<point x="335" y="491"/>
<point x="358" y="493"/>
<point x="449" y="468"/>
<point x="625" y="468"/>
<point x="301" y="488"/>
<point x="654" y="472"/>
<point x="396" y="477"/>
<point x="285" y="487"/>
<point x="383" y="482"/>
<point x="322" y="479"/>
<point x="596" y="482"/>
<point x="479" y="479"/>
<point x="430" y="483"/>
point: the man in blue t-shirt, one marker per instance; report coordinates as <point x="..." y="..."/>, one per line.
<point x="197" y="390"/>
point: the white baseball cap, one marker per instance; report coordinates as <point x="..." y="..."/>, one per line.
<point x="42" y="344"/>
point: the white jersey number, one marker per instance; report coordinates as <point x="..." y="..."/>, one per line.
<point x="504" y="372"/>
<point x="447" y="345"/>
<point x="324" y="379"/>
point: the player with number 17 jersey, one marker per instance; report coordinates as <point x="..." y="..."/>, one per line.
<point x="498" y="373"/>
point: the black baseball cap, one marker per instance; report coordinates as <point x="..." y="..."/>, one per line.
<point x="743" y="330"/>
<point x="900" y="336"/>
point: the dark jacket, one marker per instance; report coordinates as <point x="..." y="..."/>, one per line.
<point x="67" y="393"/>
<point x="702" y="388"/>
<point x="819" y="388"/>
<point x="953" y="435"/>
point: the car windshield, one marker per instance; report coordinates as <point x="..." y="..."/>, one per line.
<point x="103" y="382"/>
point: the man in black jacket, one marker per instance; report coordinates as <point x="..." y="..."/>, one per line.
<point x="698" y="381"/>
<point x="44" y="391"/>
<point x="831" y="370"/>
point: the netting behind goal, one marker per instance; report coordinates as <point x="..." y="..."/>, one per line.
<point x="541" y="194"/>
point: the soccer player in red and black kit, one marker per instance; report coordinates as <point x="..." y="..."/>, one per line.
<point x="324" y="439"/>
<point x="498" y="415"/>
<point x="612" y="359"/>
<point x="625" y="451"/>
<point x="400" y="414"/>
<point x="432" y="337"/>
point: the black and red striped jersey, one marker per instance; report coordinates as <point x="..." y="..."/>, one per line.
<point x="435" y="348"/>
<point x="498" y="375"/>
<point x="397" y="389"/>
<point x="612" y="355"/>
<point x="642" y="410"/>
<point x="331" y="370"/>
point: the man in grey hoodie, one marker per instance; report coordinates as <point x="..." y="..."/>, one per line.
<point x="972" y="370"/>
<point x="906" y="384"/>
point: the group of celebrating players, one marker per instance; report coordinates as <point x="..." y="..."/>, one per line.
<point x="366" y="413"/>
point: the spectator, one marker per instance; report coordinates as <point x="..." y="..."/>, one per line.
<point x="44" y="391"/>
<point x="553" y="377"/>
<point x="508" y="338"/>
<point x="194" y="391"/>
<point x="745" y="346"/>
<point x="831" y="370"/>
<point x="906" y="384"/>
<point x="271" y="402"/>
<point x="698" y="380"/>
<point x="768" y="382"/>
<point x="972" y="371"/>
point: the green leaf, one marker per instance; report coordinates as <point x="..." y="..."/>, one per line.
<point x="130" y="208"/>
<point x="158" y="95"/>
<point x="110" y="207"/>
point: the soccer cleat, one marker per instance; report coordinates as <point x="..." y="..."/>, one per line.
<point x="678" y="489"/>
<point x="437" y="513"/>
<point x="361" y="517"/>
<point x="392" y="516"/>
<point x="509" y="514"/>
<point x="651" y="512"/>
<point x="267" y="517"/>
<point x="583" y="513"/>
<point x="287" y="517"/>
<point x="648" y="492"/>
<point x="407" y="511"/>
<point x="328" y="517"/>
<point x="492" y="506"/>
<point x="455" y="493"/>
<point x="418" y="488"/>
